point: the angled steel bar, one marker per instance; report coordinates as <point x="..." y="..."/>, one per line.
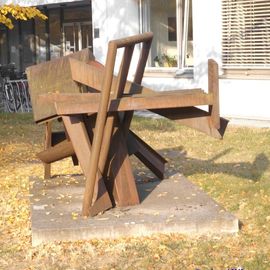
<point x="138" y="78"/>
<point x="99" y="129"/>
<point x="102" y="112"/>
<point x="47" y="144"/>
<point x="117" y="92"/>
<point x="82" y="145"/>
<point x="213" y="88"/>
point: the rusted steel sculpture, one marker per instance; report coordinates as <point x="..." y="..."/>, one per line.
<point x="97" y="107"/>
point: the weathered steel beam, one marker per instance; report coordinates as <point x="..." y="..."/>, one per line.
<point x="195" y="118"/>
<point x="147" y="155"/>
<point x="213" y="88"/>
<point x="53" y="77"/>
<point x="135" y="102"/>
<point x="54" y="153"/>
<point x="81" y="143"/>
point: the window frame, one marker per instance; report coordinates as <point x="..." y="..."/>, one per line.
<point x="232" y="30"/>
<point x="182" y="22"/>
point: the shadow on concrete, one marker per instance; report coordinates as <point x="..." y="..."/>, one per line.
<point x="145" y="188"/>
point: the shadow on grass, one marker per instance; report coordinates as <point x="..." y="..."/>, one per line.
<point x="179" y="162"/>
<point x="189" y="166"/>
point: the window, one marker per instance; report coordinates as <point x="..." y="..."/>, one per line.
<point x="41" y="40"/>
<point x="27" y="44"/>
<point x="246" y="34"/>
<point x="56" y="49"/>
<point x="171" y="23"/>
<point x="3" y="47"/>
<point x="14" y="46"/>
<point x="36" y="41"/>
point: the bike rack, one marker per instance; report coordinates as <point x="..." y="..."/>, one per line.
<point x="16" y="96"/>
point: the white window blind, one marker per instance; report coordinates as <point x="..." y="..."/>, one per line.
<point x="246" y="34"/>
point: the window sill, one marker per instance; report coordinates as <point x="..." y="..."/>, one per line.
<point x="169" y="73"/>
<point x="246" y="74"/>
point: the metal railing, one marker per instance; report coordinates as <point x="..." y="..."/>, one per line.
<point x="15" y="96"/>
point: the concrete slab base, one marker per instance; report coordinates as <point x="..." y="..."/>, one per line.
<point x="174" y="205"/>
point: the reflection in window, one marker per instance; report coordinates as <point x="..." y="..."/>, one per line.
<point x="171" y="23"/>
<point x="41" y="39"/>
<point x="55" y="34"/>
<point x="77" y="36"/>
<point x="3" y="47"/>
<point x="14" y="45"/>
<point x="36" y="41"/>
<point x="28" y="44"/>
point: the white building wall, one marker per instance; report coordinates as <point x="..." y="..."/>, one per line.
<point x="114" y="19"/>
<point x="245" y="99"/>
<point x="238" y="98"/>
<point x="207" y="37"/>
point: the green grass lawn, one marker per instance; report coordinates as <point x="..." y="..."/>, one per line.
<point x="234" y="171"/>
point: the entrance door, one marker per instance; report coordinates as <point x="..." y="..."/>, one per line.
<point x="77" y="36"/>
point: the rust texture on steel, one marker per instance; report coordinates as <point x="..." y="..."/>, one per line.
<point x="96" y="108"/>
<point x="53" y="77"/>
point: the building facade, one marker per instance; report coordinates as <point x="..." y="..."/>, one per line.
<point x="236" y="33"/>
<point x="68" y="29"/>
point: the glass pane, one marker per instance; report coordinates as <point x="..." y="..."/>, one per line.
<point x="77" y="37"/>
<point x="86" y="36"/>
<point x="71" y="39"/>
<point x="40" y="40"/>
<point x="14" y="45"/>
<point x="55" y="34"/>
<point x="189" y="48"/>
<point x="28" y="44"/>
<point x="162" y="19"/>
<point x="3" y="47"/>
